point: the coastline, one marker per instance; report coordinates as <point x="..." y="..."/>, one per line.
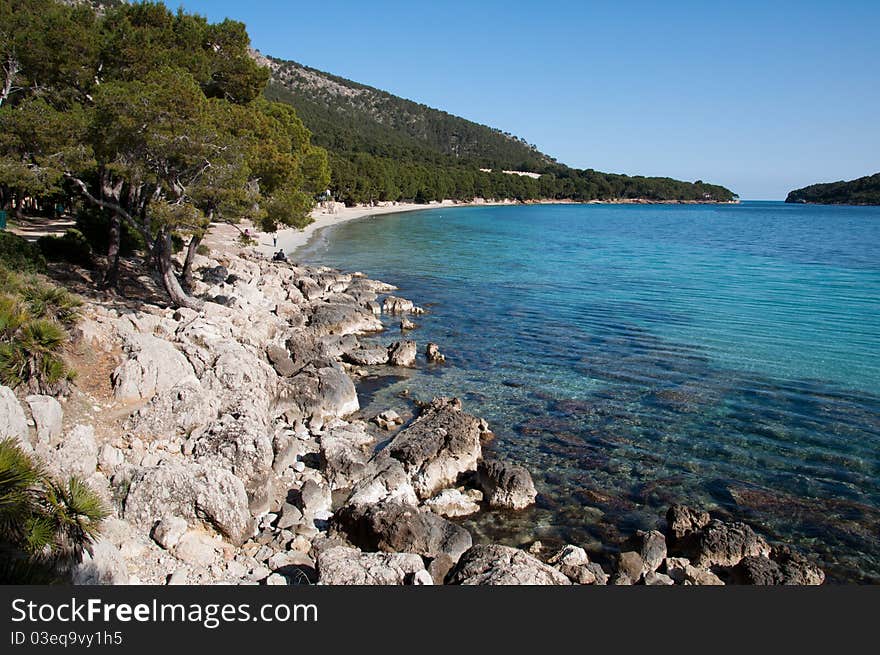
<point x="229" y="446"/>
<point x="327" y="215"/>
<point x="332" y="214"/>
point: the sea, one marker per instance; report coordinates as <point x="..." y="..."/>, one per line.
<point x="636" y="356"/>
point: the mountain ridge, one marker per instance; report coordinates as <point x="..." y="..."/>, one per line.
<point x="384" y="147"/>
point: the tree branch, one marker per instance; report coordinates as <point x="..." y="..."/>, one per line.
<point x="112" y="206"/>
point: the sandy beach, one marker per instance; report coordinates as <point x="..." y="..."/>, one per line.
<point x="336" y="213"/>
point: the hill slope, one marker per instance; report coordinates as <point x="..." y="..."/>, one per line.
<point x="345" y="115"/>
<point x="862" y="191"/>
<point x="387" y="148"/>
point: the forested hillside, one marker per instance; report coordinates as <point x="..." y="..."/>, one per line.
<point x="862" y="191"/>
<point x="383" y="147"/>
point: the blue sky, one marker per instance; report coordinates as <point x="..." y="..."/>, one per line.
<point x="762" y="97"/>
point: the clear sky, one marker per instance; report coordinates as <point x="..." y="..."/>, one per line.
<point x="762" y="96"/>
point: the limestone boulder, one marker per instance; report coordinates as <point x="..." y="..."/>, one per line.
<point x="502" y="565"/>
<point x="152" y="365"/>
<point x="48" y="417"/>
<point x="13" y="422"/>
<point x="348" y="566"/>
<point x="506" y="485"/>
<point x="439" y="446"/>
<point x="190" y="491"/>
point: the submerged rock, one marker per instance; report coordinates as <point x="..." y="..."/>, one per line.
<point x="506" y="485"/>
<point x="388" y="420"/>
<point x="433" y="354"/>
<point x="399" y="528"/>
<point x="452" y="503"/>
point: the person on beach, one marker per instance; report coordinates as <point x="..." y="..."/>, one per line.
<point x="274" y="240"/>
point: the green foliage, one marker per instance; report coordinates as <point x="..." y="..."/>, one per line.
<point x="50" y="302"/>
<point x="73" y="248"/>
<point x="44" y="525"/>
<point x="34" y="321"/>
<point x="17" y="254"/>
<point x="862" y="191"/>
<point x="157" y="117"/>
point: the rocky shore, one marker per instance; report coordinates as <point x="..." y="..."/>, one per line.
<point x="238" y="460"/>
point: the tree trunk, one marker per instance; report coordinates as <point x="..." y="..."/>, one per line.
<point x="186" y="276"/>
<point x="179" y="297"/>
<point x="111" y="275"/>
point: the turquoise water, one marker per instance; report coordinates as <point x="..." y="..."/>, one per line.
<point x="635" y="356"/>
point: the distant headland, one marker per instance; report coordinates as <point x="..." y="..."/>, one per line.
<point x="862" y="191"/>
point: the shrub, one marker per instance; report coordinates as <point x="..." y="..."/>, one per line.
<point x="51" y="302"/>
<point x="73" y="248"/>
<point x="34" y="321"/>
<point x="17" y="254"/>
<point x="44" y="525"/>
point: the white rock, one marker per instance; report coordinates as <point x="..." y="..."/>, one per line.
<point x="169" y="530"/>
<point x="48" y="415"/>
<point x="13" y="422"/>
<point x="196" y="548"/>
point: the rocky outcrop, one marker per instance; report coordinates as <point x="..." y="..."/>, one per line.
<point x="402" y="353"/>
<point x="400" y="528"/>
<point x="506" y="485"/>
<point x="48" y="417"/>
<point x="433" y="354"/>
<point x="395" y="305"/>
<point x="193" y="492"/>
<point x="343" y="455"/>
<point x="385" y="480"/>
<point x="502" y="565"/>
<point x="725" y="544"/>
<point x="342" y="319"/>
<point x="439" y="446"/>
<point x="682" y="521"/>
<point x="76" y="455"/>
<point x="574" y="564"/>
<point x="324" y="391"/>
<point x="239" y="446"/>
<point x="349" y="566"/>
<point x="153" y="366"/>
<point x="13" y="422"/>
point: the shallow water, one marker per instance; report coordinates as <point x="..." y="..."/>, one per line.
<point x="635" y="356"/>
